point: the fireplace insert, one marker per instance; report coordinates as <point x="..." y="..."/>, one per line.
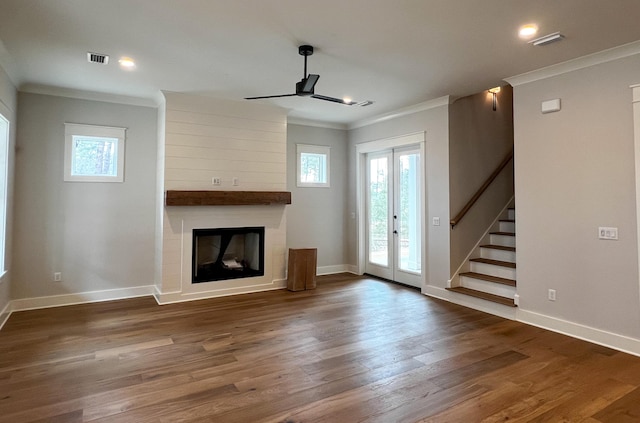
<point x="227" y="253"/>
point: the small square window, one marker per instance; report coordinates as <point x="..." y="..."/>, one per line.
<point x="313" y="165"/>
<point x="93" y="153"/>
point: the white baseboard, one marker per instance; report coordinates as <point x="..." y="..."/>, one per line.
<point x="351" y="268"/>
<point x="5" y="313"/>
<point x="471" y="302"/>
<point x="332" y="270"/>
<point x="80" y="298"/>
<point x="586" y="333"/>
<point x="163" y="298"/>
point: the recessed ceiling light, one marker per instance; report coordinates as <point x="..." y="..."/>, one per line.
<point x="127" y="63"/>
<point x="347" y="100"/>
<point x="527" y="31"/>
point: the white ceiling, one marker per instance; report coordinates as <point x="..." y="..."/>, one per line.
<point x="395" y="52"/>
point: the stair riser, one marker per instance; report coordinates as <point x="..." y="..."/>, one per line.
<point x="490" y="269"/>
<point x="490" y="287"/>
<point x="507" y="226"/>
<point x="505" y="241"/>
<point x="494" y="254"/>
<point x="511" y="214"/>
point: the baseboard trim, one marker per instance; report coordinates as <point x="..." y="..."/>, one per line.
<point x="332" y="270"/>
<point x="80" y="298"/>
<point x="471" y="302"/>
<point x="586" y="333"/>
<point x="4" y="314"/>
<point x="163" y="298"/>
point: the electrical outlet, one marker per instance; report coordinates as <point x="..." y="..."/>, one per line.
<point x="57" y="277"/>
<point x="216" y="181"/>
<point x="436" y="221"/>
<point x="235" y="181"/>
<point x="552" y="295"/>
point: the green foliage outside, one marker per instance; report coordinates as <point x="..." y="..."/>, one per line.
<point x="94" y="156"/>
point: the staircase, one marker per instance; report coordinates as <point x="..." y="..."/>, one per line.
<point x="492" y="275"/>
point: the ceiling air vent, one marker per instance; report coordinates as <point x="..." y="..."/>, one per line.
<point x="101" y="59"/>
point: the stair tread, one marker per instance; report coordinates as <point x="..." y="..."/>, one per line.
<point x="483" y="295"/>
<point x="499" y="247"/>
<point x="494" y="262"/>
<point x="489" y="278"/>
<point x="503" y="233"/>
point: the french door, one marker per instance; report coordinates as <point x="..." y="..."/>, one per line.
<point x="394" y="210"/>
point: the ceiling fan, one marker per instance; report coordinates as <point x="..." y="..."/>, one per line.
<point x="305" y="87"/>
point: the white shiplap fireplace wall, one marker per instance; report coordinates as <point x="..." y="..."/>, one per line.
<point x="207" y="138"/>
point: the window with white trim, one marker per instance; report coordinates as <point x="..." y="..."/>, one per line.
<point x="93" y="153"/>
<point x="313" y="165"/>
<point x="4" y="186"/>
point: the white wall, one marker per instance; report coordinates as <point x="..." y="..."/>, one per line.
<point x="99" y="235"/>
<point x="8" y="106"/>
<point x="435" y="123"/>
<point x="317" y="217"/>
<point x="574" y="172"/>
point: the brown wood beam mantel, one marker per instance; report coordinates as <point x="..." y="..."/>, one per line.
<point x="226" y="198"/>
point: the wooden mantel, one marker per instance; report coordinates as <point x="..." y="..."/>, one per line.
<point x="226" y="198"/>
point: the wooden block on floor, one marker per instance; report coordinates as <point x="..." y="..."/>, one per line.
<point x="301" y="273"/>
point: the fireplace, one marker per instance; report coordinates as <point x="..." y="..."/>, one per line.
<point x="227" y="253"/>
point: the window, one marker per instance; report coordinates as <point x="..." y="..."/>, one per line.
<point x="313" y="165"/>
<point x="93" y="153"/>
<point x="4" y="179"/>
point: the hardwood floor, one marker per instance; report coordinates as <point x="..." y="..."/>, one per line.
<point x="353" y="350"/>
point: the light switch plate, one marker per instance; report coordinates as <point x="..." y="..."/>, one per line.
<point x="608" y="233"/>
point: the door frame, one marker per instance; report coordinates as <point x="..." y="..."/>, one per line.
<point x="414" y="139"/>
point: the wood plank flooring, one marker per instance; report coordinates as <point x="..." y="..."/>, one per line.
<point x="356" y="349"/>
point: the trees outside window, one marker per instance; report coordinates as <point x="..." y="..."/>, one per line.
<point x="94" y="153"/>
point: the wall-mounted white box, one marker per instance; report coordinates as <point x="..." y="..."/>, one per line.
<point x="550" y="106"/>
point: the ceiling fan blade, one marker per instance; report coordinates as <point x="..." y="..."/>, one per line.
<point x="310" y="82"/>
<point x="270" y="96"/>
<point x="333" y="99"/>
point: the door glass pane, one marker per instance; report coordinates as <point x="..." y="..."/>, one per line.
<point x="379" y="211"/>
<point x="409" y="214"/>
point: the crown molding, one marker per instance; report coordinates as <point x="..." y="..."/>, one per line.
<point x="409" y="110"/>
<point x="593" y="59"/>
<point x="87" y="95"/>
